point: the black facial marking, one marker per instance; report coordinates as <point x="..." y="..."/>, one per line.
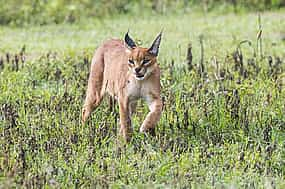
<point x="131" y="61"/>
<point x="146" y="61"/>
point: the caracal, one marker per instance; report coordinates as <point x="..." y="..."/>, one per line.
<point x="127" y="73"/>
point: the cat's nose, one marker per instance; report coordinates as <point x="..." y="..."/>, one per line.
<point x="138" y="69"/>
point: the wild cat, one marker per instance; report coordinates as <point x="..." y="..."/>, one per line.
<point x="127" y="72"/>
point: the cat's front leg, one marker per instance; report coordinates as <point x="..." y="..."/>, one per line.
<point x="125" y="120"/>
<point x="155" y="107"/>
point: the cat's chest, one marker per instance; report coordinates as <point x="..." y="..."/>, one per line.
<point x="136" y="89"/>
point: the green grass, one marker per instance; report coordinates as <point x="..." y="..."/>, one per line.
<point x="223" y="128"/>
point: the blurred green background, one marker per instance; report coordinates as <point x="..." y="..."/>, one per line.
<point x="42" y="12"/>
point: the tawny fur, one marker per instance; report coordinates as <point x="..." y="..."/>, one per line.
<point x="112" y="72"/>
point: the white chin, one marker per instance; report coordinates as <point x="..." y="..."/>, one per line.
<point x="139" y="78"/>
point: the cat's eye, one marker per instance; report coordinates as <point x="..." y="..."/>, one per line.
<point x="131" y="61"/>
<point x="145" y="61"/>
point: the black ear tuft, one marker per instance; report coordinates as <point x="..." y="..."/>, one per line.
<point x="154" y="49"/>
<point x="130" y="43"/>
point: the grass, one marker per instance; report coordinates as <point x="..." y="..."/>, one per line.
<point x="222" y="127"/>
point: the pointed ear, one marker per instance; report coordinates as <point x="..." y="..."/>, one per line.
<point x="154" y="49"/>
<point x="129" y="42"/>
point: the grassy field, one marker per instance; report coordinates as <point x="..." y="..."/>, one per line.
<point x="223" y="124"/>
